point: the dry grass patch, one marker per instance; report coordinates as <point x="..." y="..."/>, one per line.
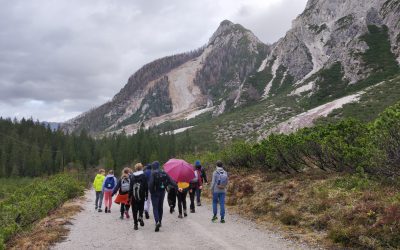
<point x="49" y="230"/>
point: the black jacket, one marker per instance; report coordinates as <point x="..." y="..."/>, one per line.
<point x="135" y="178"/>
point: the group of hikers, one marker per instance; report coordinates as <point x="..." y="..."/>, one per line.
<point x="146" y="186"/>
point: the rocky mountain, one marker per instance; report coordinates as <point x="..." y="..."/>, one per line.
<point x="335" y="48"/>
<point x="178" y="86"/>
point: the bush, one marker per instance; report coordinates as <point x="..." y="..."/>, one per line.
<point x="33" y="202"/>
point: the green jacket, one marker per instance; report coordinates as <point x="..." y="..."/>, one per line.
<point x="98" y="182"/>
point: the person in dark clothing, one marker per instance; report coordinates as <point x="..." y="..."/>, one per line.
<point x="138" y="194"/>
<point x="171" y="198"/>
<point x="147" y="203"/>
<point x="195" y="185"/>
<point x="183" y="188"/>
<point x="122" y="188"/>
<point x="203" y="180"/>
<point x="159" y="181"/>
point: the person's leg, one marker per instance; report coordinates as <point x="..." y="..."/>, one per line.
<point x="101" y="199"/>
<point x="192" y="193"/>
<point x="222" y="205"/>
<point x="184" y="195"/>
<point x="141" y="208"/>
<point x="97" y="199"/>
<point x="198" y="194"/>
<point x="154" y="200"/>
<point x="161" y="206"/>
<point x="135" y="210"/>
<point x="179" y="196"/>
<point x="215" y="201"/>
<point x="127" y="207"/>
<point x="106" y="198"/>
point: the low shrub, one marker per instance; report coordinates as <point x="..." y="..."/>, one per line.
<point x="34" y="201"/>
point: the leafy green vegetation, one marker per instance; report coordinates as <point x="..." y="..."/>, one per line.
<point x="31" y="202"/>
<point x="8" y="185"/>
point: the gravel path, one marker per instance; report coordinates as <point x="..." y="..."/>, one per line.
<point x="93" y="230"/>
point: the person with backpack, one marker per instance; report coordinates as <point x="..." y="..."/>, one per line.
<point x="183" y="188"/>
<point x="219" y="184"/>
<point x="98" y="186"/>
<point x="203" y="177"/>
<point x="195" y="184"/>
<point x="147" y="203"/>
<point x="138" y="194"/>
<point x="159" y="181"/>
<point x="122" y="188"/>
<point x="108" y="187"/>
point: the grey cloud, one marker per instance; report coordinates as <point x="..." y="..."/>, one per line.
<point x="72" y="55"/>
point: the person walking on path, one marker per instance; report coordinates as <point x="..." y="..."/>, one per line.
<point x="159" y="181"/>
<point x="122" y="188"/>
<point x="98" y="186"/>
<point x="171" y="198"/>
<point x="195" y="185"/>
<point x="147" y="203"/>
<point x="218" y="188"/>
<point x="183" y="188"/>
<point x="108" y="187"/>
<point x="138" y="194"/>
<point x="203" y="177"/>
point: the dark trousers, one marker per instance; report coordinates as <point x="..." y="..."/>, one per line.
<point x="137" y="208"/>
<point x="157" y="199"/>
<point x="99" y="199"/>
<point x="172" y="198"/>
<point x="198" y="195"/>
<point x="182" y="200"/>
<point x="192" y="193"/>
<point x="124" y="208"/>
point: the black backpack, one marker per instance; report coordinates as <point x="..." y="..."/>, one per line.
<point x="160" y="180"/>
<point x="138" y="187"/>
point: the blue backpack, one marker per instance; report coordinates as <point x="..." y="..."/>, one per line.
<point x="109" y="183"/>
<point x="222" y="180"/>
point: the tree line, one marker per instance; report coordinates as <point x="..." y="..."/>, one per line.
<point x="28" y="148"/>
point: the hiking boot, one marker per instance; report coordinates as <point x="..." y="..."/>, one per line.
<point x="106" y="210"/>
<point x="146" y="214"/>
<point x="127" y="214"/>
<point x="141" y="222"/>
<point x="198" y="204"/>
<point x="135" y="227"/>
<point x="192" y="211"/>
<point x="222" y="220"/>
<point x="180" y="216"/>
<point x="99" y="210"/>
<point x="95" y="208"/>
<point x="158" y="225"/>
<point x="214" y="218"/>
<point x="171" y="210"/>
<point x="121" y="217"/>
<point x="185" y="214"/>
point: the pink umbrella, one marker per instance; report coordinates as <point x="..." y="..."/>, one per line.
<point x="179" y="170"/>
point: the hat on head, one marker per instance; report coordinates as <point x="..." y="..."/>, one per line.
<point x="197" y="163"/>
<point x="155" y="165"/>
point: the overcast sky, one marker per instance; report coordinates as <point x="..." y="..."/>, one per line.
<point x="61" y="58"/>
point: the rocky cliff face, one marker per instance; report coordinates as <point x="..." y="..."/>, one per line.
<point x="330" y="32"/>
<point x="176" y="86"/>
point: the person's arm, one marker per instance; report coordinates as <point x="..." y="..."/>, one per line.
<point x="146" y="188"/>
<point x="213" y="181"/>
<point x="116" y="188"/>
<point x="151" y="182"/>
<point x="131" y="187"/>
<point x="94" y="182"/>
<point x="102" y="185"/>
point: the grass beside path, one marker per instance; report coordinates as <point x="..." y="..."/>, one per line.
<point x="32" y="202"/>
<point x="335" y="210"/>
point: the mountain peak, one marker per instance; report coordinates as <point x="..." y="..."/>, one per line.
<point x="225" y="28"/>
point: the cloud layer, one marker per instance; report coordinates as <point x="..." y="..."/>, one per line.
<point x="61" y="58"/>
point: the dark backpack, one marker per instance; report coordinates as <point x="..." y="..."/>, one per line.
<point x="160" y="180"/>
<point x="109" y="182"/>
<point x="125" y="184"/>
<point x="138" y="187"/>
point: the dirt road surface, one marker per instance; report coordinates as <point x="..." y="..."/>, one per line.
<point x="93" y="230"/>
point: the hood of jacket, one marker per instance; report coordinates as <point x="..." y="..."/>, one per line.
<point x="220" y="170"/>
<point x="137" y="173"/>
<point x="99" y="177"/>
